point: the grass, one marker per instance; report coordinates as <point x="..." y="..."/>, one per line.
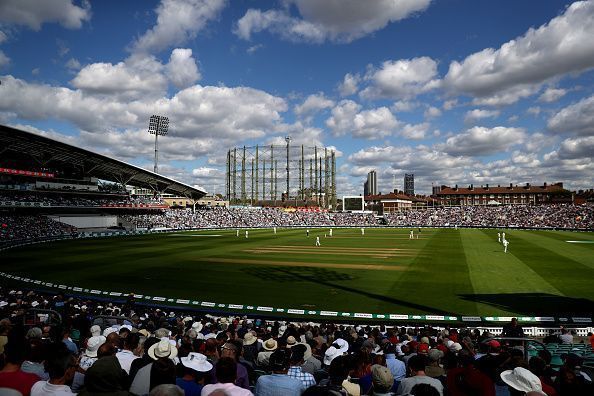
<point x="445" y="271"/>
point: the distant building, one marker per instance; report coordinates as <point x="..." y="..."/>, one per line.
<point x="370" y="186"/>
<point x="409" y="184"/>
<point x="511" y="195"/>
<point x="435" y="190"/>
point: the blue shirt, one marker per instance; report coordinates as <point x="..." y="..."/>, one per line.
<point x="397" y="367"/>
<point x="278" y="385"/>
<point x="307" y="379"/>
<point x="191" y="388"/>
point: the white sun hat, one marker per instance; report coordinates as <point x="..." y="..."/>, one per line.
<point x="522" y="379"/>
<point x="196" y="361"/>
<point x="162" y="349"/>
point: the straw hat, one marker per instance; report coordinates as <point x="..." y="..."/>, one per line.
<point x="162" y="349"/>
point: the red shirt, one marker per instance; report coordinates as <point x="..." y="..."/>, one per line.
<point x="464" y="380"/>
<point x="18" y="380"/>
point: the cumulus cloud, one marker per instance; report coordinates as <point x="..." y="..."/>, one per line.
<point x="349" y="84"/>
<point x="178" y="21"/>
<point x="137" y="77"/>
<point x="518" y="68"/>
<point x="181" y="69"/>
<point x="34" y="14"/>
<point x="401" y="79"/>
<point x="4" y="60"/>
<point x="475" y="115"/>
<point x="581" y="147"/>
<point x="404" y="105"/>
<point x="577" y="118"/>
<point x="333" y="20"/>
<point x="552" y="95"/>
<point x="347" y="117"/>
<point x="313" y="104"/>
<point x="432" y="112"/>
<point x="415" y="131"/>
<point x="479" y="141"/>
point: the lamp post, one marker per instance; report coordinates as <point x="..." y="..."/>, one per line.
<point x="158" y="125"/>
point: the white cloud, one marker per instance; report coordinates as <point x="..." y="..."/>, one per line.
<point x="181" y="69"/>
<point x="518" y="68"/>
<point x="450" y="104"/>
<point x="401" y="79"/>
<point x="252" y="50"/>
<point x="415" y="131"/>
<point x="475" y="115"/>
<point x="552" y="95"/>
<point x="313" y="104"/>
<point x="333" y="20"/>
<point x="137" y="77"/>
<point x="3" y="37"/>
<point x="534" y="110"/>
<point x="478" y="141"/>
<point x="73" y="64"/>
<point x="432" y="112"/>
<point x="4" y="60"/>
<point x="577" y="118"/>
<point x="178" y="21"/>
<point x="34" y="14"/>
<point x="349" y="85"/>
<point x="404" y="105"/>
<point x="538" y="141"/>
<point x="581" y="147"/>
<point x="369" y="124"/>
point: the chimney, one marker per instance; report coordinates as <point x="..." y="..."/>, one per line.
<point x="487" y="187"/>
<point x="511" y="186"/>
<point x="456" y="188"/>
<point x="545" y="185"/>
<point x="471" y="187"/>
<point x="527" y="186"/>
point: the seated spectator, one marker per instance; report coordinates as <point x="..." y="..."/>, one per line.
<point x="396" y="366"/>
<point x="61" y="366"/>
<point x="311" y="363"/>
<point x="195" y="366"/>
<point x="268" y="347"/>
<point x="126" y="355"/>
<point x="226" y="369"/>
<point x="160" y="371"/>
<point x="416" y="367"/>
<point x="11" y="375"/>
<point x="232" y="349"/>
<point x="107" y="377"/>
<point x="167" y="390"/>
<point x="521" y="381"/>
<point x="382" y="380"/>
<point x="466" y="379"/>
<point x="35" y="358"/>
<point x="279" y="383"/>
<point x="566" y="337"/>
<point x="296" y="361"/>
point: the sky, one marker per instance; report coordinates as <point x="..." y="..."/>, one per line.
<point x="453" y="91"/>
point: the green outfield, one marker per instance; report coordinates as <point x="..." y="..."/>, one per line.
<point x="444" y="271"/>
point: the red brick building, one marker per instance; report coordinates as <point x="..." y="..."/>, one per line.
<point x="509" y="195"/>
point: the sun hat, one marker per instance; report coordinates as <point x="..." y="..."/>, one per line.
<point x="270" y="344"/>
<point x="381" y="377"/>
<point x="435" y="354"/>
<point x="307" y="353"/>
<point x="34" y="303"/>
<point x="331" y="354"/>
<point x="197" y="326"/>
<point x="196" y="361"/>
<point x="93" y="345"/>
<point x="162" y="349"/>
<point x="522" y="379"/>
<point x="109" y="330"/>
<point x="291" y="341"/>
<point x="144" y="332"/>
<point x="249" y="338"/>
<point x="425" y="340"/>
<point x="95" y="330"/>
<point x="343" y="346"/>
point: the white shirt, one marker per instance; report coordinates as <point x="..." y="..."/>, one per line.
<point x="126" y="358"/>
<point x="43" y="388"/>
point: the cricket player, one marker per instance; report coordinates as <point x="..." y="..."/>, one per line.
<point x="307" y="232"/>
<point x="318" y="241"/>
<point x="503" y="236"/>
<point x="412" y="234"/>
<point x="505" y="243"/>
<point x="274" y="230"/>
<point x="330" y="232"/>
<point x="237" y="233"/>
<point x="246" y="234"/>
<point x="499" y="237"/>
<point x="362" y="231"/>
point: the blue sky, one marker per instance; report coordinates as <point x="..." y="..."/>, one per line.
<point x="454" y="91"/>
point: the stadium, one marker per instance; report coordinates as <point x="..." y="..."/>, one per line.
<point x="381" y="198"/>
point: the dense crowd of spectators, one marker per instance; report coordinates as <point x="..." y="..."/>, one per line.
<point x="554" y="216"/>
<point x="15" y="228"/>
<point x="142" y="350"/>
<point x="76" y="200"/>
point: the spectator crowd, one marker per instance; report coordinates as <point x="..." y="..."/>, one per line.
<point x="105" y="348"/>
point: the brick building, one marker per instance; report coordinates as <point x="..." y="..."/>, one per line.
<point x="509" y="195"/>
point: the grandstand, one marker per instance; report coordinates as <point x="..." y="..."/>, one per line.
<point x="51" y="191"/>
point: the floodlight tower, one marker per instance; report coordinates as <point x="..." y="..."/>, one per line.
<point x="158" y="125"/>
<point x="288" y="140"/>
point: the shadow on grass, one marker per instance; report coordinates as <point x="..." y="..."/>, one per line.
<point x="325" y="278"/>
<point x="535" y="304"/>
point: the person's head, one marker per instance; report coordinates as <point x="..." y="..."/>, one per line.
<point x="167" y="390"/>
<point x="382" y="378"/>
<point x="60" y="364"/>
<point x="514" y="322"/>
<point x="279" y="360"/>
<point x="35" y="350"/>
<point x="14" y="352"/>
<point x="106" y="349"/>
<point x="105" y="375"/>
<point x="339" y="369"/>
<point x="131" y="341"/>
<point x="417" y="363"/>
<point x="297" y="354"/>
<point x="113" y="339"/>
<point x="226" y="370"/>
<point x="424" y="390"/>
<point x="231" y="349"/>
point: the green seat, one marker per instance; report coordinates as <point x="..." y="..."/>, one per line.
<point x="556" y="361"/>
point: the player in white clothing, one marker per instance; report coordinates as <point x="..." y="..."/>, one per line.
<point x="330" y="232"/>
<point x="246" y="234"/>
<point x="307" y="233"/>
<point x="274" y="230"/>
<point x="412" y="234"/>
<point x="499" y="237"/>
<point x="318" y="241"/>
<point x="237" y="233"/>
<point x="362" y="231"/>
<point x="505" y="243"/>
<point x="503" y="236"/>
